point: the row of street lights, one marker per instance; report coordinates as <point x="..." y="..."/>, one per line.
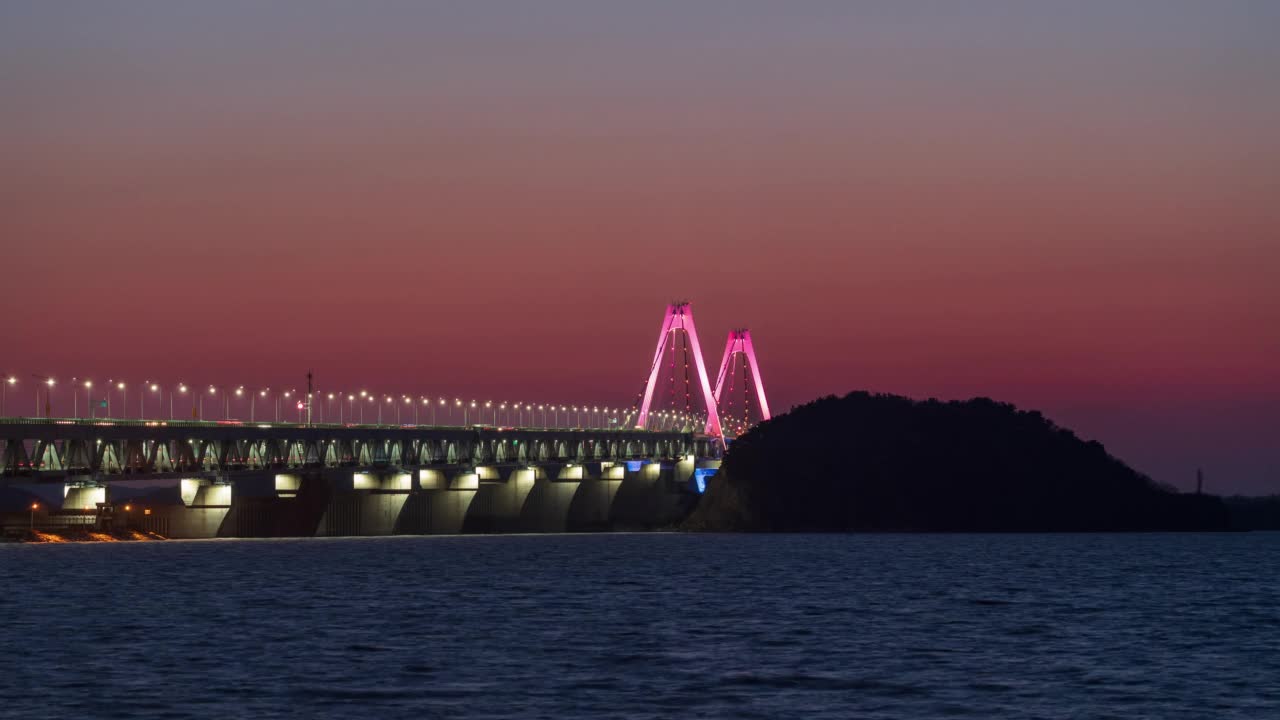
<point x="351" y="406"/>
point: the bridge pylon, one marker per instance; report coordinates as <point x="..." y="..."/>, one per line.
<point x="679" y="318"/>
<point x="739" y="344"/>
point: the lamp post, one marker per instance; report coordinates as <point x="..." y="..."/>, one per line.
<point x="543" y="408"/>
<point x="75" y="399"/>
<point x="88" y="398"/>
<point x="142" y="398"/>
<point x="124" y="400"/>
<point x="212" y="391"/>
<point x="182" y="389"/>
<point x="489" y="404"/>
<point x="48" y="397"/>
<point x="4" y="391"/>
<point x="34" y="507"/>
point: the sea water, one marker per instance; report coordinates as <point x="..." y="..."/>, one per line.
<point x="646" y="626"/>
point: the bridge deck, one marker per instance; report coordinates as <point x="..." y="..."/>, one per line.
<point x="62" y="446"/>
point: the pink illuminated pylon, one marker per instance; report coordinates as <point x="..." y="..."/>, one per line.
<point x="680" y="317"/>
<point x="740" y="342"/>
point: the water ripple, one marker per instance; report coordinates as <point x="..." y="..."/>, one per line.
<point x="646" y="626"/>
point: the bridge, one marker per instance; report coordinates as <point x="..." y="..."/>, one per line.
<point x="503" y="467"/>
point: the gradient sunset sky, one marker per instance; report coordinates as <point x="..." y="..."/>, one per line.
<point x="1072" y="206"/>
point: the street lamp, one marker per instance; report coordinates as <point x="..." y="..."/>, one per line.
<point x="48" y="395"/>
<point x="88" y="402"/>
<point x="182" y="389"/>
<point x="212" y="391"/>
<point x="488" y="404"/>
<point x="4" y="390"/>
<point x="34" y="507"/>
<point x="142" y="398"/>
<point x="124" y="400"/>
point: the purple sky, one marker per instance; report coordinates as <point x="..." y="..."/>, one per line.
<point x="1071" y="206"/>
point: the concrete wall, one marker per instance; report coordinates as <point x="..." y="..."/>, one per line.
<point x="547" y="507"/>
<point x="82" y="498"/>
<point x="546" y="497"/>
<point x="653" y="497"/>
<point x="592" y="507"/>
<point x="435" y="512"/>
<point x="368" y="503"/>
<point x="497" y="505"/>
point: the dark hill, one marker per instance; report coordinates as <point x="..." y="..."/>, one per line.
<point x="882" y="462"/>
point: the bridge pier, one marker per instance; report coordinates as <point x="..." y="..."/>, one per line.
<point x="547" y="507"/>
<point x="83" y="495"/>
<point x="204" y="509"/>
<point x="440" y="503"/>
<point x="653" y="495"/>
<point x="364" y="502"/>
<point x="496" y="506"/>
<point x="592" y="506"/>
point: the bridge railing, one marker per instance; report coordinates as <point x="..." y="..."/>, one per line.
<point x="133" y="422"/>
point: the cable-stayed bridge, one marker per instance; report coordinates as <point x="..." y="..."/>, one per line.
<point x="252" y="461"/>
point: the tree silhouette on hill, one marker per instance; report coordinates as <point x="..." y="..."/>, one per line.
<point x="883" y="462"/>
